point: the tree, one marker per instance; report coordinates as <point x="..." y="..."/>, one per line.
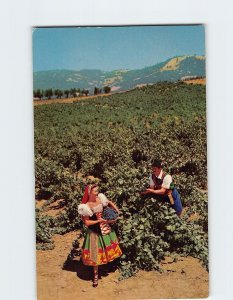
<point x="73" y="92"/>
<point x="48" y="93"/>
<point x="78" y="92"/>
<point x="66" y="92"/>
<point x="38" y="93"/>
<point x="85" y="92"/>
<point x="58" y="93"/>
<point x="97" y="91"/>
<point x="41" y="94"/>
<point x="107" y="89"/>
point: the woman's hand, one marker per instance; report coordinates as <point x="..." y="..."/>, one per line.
<point x="113" y="205"/>
<point x="112" y="221"/>
<point x="101" y="220"/>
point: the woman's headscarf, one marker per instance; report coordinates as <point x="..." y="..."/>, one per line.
<point x="87" y="191"/>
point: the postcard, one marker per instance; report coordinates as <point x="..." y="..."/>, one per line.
<point x="120" y="143"/>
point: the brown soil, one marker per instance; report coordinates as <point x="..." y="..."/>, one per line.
<point x="68" y="100"/>
<point x="185" y="278"/>
<point x="40" y="203"/>
<point x="196" y="81"/>
<point x="52" y="209"/>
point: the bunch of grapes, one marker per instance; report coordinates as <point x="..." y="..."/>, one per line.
<point x="109" y="214"/>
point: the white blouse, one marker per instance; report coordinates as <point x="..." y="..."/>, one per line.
<point x="103" y="199"/>
<point x="86" y="211"/>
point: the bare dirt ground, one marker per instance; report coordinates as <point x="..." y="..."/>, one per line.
<point x="185" y="278"/>
<point x="67" y="100"/>
<point x="196" y="81"/>
<point x="51" y="210"/>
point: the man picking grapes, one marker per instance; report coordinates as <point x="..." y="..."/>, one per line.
<point x="162" y="184"/>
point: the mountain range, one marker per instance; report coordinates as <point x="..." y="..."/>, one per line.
<point x="173" y="69"/>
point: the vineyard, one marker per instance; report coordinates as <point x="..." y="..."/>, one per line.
<point x="111" y="140"/>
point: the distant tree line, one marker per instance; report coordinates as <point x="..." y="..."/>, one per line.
<point x="58" y="94"/>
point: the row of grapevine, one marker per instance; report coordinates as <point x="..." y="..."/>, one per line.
<point x="114" y="139"/>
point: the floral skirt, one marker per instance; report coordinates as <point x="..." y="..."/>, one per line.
<point x="100" y="249"/>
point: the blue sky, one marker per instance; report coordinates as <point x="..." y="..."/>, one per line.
<point x="112" y="48"/>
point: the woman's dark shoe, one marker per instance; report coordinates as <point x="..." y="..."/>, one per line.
<point x="95" y="280"/>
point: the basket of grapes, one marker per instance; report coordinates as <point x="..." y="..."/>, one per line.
<point x="110" y="214"/>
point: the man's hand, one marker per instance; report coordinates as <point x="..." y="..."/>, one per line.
<point x="155" y="192"/>
<point x="149" y="191"/>
<point x="145" y="192"/>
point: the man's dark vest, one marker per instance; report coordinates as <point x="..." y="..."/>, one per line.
<point x="158" y="182"/>
<point x="158" y="185"/>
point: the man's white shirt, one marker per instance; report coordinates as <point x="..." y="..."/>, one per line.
<point x="167" y="180"/>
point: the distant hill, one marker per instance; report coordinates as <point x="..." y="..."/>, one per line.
<point x="172" y="69"/>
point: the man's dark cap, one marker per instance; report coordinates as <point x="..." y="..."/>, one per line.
<point x="156" y="163"/>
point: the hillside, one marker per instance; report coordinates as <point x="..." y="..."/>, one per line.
<point x="170" y="70"/>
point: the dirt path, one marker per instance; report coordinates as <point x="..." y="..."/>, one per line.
<point x="184" y="279"/>
<point x="68" y="100"/>
<point x="196" y="81"/>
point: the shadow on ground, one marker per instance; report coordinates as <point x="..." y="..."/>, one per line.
<point x="86" y="272"/>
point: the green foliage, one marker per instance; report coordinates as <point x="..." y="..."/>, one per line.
<point x="97" y="91"/>
<point x="44" y="231"/>
<point x="107" y="89"/>
<point x="38" y="93"/>
<point x="114" y="139"/>
<point x="58" y="93"/>
<point x="48" y="93"/>
<point x="85" y="92"/>
<point x="66" y="93"/>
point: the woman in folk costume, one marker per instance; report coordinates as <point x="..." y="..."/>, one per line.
<point x="100" y="244"/>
